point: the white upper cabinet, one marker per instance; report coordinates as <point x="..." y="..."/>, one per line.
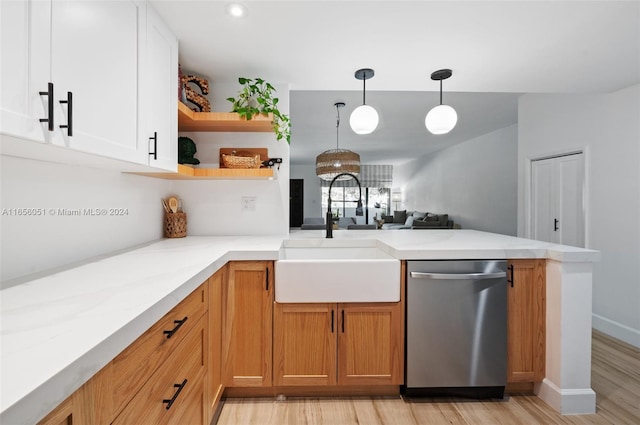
<point x="112" y="67"/>
<point x="26" y="56"/>
<point x="159" y="100"/>
<point x="94" y="59"/>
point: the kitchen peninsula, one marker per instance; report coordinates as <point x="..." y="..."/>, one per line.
<point x="59" y="330"/>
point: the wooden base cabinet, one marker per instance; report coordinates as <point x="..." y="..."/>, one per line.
<point x="526" y="321"/>
<point x="343" y="344"/>
<point x="247" y="329"/>
<point x="214" y="375"/>
<point x="159" y="379"/>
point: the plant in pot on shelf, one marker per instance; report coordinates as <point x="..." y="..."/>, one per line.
<point x="257" y="97"/>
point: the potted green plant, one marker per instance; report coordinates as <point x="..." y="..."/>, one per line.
<point x="257" y="97"/>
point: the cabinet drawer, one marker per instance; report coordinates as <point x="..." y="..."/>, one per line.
<point x="185" y="366"/>
<point x="133" y="367"/>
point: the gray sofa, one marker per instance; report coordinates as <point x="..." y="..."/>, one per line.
<point x="313" y="223"/>
<point x="417" y="220"/>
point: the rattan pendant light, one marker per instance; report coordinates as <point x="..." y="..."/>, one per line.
<point x="337" y="161"/>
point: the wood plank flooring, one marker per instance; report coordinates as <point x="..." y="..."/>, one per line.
<point x="615" y="378"/>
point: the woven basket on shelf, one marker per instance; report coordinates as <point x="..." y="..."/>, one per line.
<point x="233" y="161"/>
<point x="175" y="225"/>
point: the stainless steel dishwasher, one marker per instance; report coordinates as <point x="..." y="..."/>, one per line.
<point x="456" y="328"/>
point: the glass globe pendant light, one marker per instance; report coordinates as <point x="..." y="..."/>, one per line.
<point x="442" y="118"/>
<point x="364" y="119"/>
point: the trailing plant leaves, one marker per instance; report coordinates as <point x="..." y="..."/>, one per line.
<point x="262" y="92"/>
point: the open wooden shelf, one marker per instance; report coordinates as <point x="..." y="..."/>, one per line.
<point x="189" y="120"/>
<point x="192" y="173"/>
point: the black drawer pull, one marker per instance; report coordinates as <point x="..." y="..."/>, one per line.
<point x="510" y="280"/>
<point x="175" y="396"/>
<point x="178" y="324"/>
<point x="49" y="94"/>
<point x="69" y="124"/>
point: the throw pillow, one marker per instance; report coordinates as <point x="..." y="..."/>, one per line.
<point x="400" y="216"/>
<point x="409" y="221"/>
<point x="419" y="215"/>
<point x="432" y="217"/>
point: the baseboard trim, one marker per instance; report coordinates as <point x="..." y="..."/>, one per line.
<point x="577" y="401"/>
<point x="616" y="330"/>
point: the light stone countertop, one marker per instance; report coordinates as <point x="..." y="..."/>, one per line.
<point x="59" y="329"/>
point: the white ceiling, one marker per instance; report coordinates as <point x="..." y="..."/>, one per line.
<point x="496" y="49"/>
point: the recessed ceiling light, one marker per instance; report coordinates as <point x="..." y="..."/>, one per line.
<point x="236" y="10"/>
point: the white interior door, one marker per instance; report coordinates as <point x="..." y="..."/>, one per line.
<point x="557" y="199"/>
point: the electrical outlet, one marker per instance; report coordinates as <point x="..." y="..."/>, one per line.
<point x="248" y="203"/>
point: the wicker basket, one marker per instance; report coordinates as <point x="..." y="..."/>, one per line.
<point x="175" y="225"/>
<point x="233" y="161"/>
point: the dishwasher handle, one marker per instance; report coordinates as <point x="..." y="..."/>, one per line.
<point x="457" y="276"/>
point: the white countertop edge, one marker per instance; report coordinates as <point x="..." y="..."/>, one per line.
<point x="35" y="403"/>
<point x="33" y="406"/>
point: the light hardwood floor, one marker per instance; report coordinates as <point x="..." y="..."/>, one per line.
<point x="615" y="378"/>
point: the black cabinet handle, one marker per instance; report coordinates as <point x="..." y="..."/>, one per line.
<point x="332" y="320"/>
<point x="267" y="278"/>
<point x="69" y="124"/>
<point x="511" y="274"/>
<point x="49" y="94"/>
<point x="555" y="224"/>
<point x="178" y="324"/>
<point x="155" y="145"/>
<point x="342" y="321"/>
<point x="175" y="395"/>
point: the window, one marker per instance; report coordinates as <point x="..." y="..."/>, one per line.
<point x="344" y="200"/>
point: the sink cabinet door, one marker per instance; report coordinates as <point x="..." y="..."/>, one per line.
<point x="526" y="321"/>
<point x="370" y="344"/>
<point x="247" y="334"/>
<point x="304" y="344"/>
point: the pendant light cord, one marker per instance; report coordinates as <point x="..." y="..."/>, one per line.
<point x="364" y="90"/>
<point x="337" y="126"/>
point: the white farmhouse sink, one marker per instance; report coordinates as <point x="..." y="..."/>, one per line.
<point x="323" y="274"/>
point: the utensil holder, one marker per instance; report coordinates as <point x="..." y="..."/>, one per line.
<point x="175" y="225"/>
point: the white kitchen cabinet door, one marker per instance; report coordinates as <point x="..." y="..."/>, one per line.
<point x="158" y="103"/>
<point x="94" y="56"/>
<point x="557" y="208"/>
<point x="26" y="56"/>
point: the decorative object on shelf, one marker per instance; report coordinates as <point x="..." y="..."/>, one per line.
<point x="186" y="151"/>
<point x="181" y="93"/>
<point x="256" y="97"/>
<point x="232" y="161"/>
<point x="201" y="102"/>
<point x="243" y="158"/>
<point x="442" y="118"/>
<point x="364" y="119"/>
<point x="271" y="162"/>
<point x="334" y="162"/>
<point x="175" y="220"/>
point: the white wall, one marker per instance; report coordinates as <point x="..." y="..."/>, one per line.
<point x="214" y="207"/>
<point x="35" y="243"/>
<point x="312" y="190"/>
<point x="607" y="128"/>
<point x="475" y="182"/>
